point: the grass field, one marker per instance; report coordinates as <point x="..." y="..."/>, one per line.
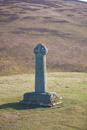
<point x="70" y="115"/>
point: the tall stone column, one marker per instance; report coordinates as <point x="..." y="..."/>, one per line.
<point x="40" y="68"/>
<point x="40" y="96"/>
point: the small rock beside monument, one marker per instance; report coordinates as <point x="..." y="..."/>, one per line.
<point x="40" y="96"/>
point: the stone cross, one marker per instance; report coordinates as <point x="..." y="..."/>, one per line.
<point x="40" y="68"/>
<point x="40" y="97"/>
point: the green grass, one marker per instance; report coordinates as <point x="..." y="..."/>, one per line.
<point x="70" y="115"/>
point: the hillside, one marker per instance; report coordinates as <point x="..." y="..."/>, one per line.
<point x="60" y="24"/>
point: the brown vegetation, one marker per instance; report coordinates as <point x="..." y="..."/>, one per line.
<point x="60" y="25"/>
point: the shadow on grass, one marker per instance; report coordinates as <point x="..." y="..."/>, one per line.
<point x="19" y="106"/>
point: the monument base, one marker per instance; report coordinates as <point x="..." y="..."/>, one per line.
<point x="41" y="99"/>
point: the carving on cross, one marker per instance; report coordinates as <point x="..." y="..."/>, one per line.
<point x="40" y="48"/>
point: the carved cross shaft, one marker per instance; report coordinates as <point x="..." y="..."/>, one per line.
<point x="40" y="68"/>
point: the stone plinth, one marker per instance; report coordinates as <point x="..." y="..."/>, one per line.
<point x="41" y="99"/>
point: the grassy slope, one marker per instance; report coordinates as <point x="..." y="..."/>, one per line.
<point x="61" y="25"/>
<point x="71" y="115"/>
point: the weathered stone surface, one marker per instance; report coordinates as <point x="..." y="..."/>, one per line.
<point x="41" y="99"/>
<point x="40" y="96"/>
<point x="40" y="68"/>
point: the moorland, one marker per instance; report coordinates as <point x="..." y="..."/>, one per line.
<point x="62" y="26"/>
<point x="59" y="24"/>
